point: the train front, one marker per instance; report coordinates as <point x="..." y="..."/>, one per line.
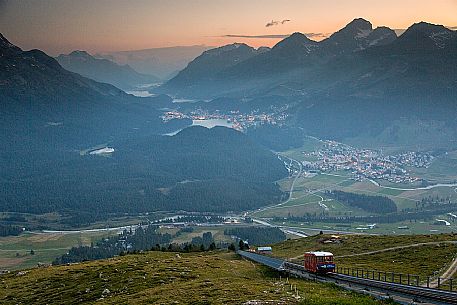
<point x="319" y="262"/>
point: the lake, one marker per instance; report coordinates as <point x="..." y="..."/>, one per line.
<point x="210" y="123"/>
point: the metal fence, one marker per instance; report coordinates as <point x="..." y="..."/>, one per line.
<point x="448" y="284"/>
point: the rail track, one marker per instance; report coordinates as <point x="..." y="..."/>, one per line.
<point x="403" y="293"/>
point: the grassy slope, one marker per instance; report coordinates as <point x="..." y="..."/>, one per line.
<point x="423" y="260"/>
<point x="417" y="260"/>
<point x="164" y="278"/>
<point x="46" y="247"/>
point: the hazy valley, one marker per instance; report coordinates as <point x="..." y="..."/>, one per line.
<point x="158" y="164"/>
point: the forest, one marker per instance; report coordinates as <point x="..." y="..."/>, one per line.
<point x="8" y="230"/>
<point x="375" y="204"/>
<point x="198" y="170"/>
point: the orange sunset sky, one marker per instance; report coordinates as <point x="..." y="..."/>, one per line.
<point x="57" y="26"/>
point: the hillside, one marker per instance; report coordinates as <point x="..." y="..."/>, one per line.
<point x="424" y="255"/>
<point x="44" y="105"/>
<point x="104" y="70"/>
<point x="166" y="278"/>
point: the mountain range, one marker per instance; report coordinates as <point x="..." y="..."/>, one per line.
<point x="104" y="70"/>
<point x="165" y="62"/>
<point x="359" y="76"/>
<point x="41" y="100"/>
<point x="216" y="72"/>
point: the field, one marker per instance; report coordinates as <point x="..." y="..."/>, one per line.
<point x="15" y="251"/>
<point x="167" y="278"/>
<point x="442" y="170"/>
<point x="416" y="260"/>
<point x="216" y="231"/>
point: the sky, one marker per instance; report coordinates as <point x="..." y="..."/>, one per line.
<point x="60" y="26"/>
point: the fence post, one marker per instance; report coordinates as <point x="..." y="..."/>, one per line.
<point x="417" y="280"/>
<point x="439" y="282"/>
<point x="393" y="277"/>
<point x="379" y="275"/>
<point x="428" y="282"/>
<point x="408" y="280"/>
<point x="357" y="272"/>
<point x="400" y="278"/>
<point x="450" y="284"/>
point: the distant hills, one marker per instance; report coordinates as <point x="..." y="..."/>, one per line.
<point x="42" y="101"/>
<point x="104" y="70"/>
<point x="165" y="63"/>
<point x="360" y="80"/>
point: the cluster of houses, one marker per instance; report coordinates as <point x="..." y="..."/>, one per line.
<point x="366" y="163"/>
<point x="239" y="121"/>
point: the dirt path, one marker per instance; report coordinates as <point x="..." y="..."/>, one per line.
<point x="449" y="273"/>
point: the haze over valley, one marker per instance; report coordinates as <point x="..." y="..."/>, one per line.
<point x="216" y="137"/>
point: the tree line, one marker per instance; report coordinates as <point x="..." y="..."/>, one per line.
<point x="257" y="235"/>
<point x="10" y="230"/>
<point x="375" y="204"/>
<point x="386" y="218"/>
<point x="133" y="241"/>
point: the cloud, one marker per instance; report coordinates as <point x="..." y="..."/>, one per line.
<point x="276" y="36"/>
<point x="276" y="22"/>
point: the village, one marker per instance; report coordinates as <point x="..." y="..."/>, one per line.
<point x="366" y="163"/>
<point x="235" y="119"/>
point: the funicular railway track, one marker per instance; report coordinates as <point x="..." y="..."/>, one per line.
<point x="402" y="292"/>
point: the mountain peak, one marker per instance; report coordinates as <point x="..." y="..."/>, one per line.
<point x="427" y="35"/>
<point x="4" y="43"/>
<point x="381" y="36"/>
<point x="3" y="39"/>
<point x="295" y="40"/>
<point x="425" y="27"/>
<point x="353" y="37"/>
<point x="360" y="24"/>
<point x="228" y="47"/>
<point x="80" y="53"/>
<point x="357" y="28"/>
<point x="299" y="37"/>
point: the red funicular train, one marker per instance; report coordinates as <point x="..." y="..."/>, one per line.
<point x="319" y="262"/>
